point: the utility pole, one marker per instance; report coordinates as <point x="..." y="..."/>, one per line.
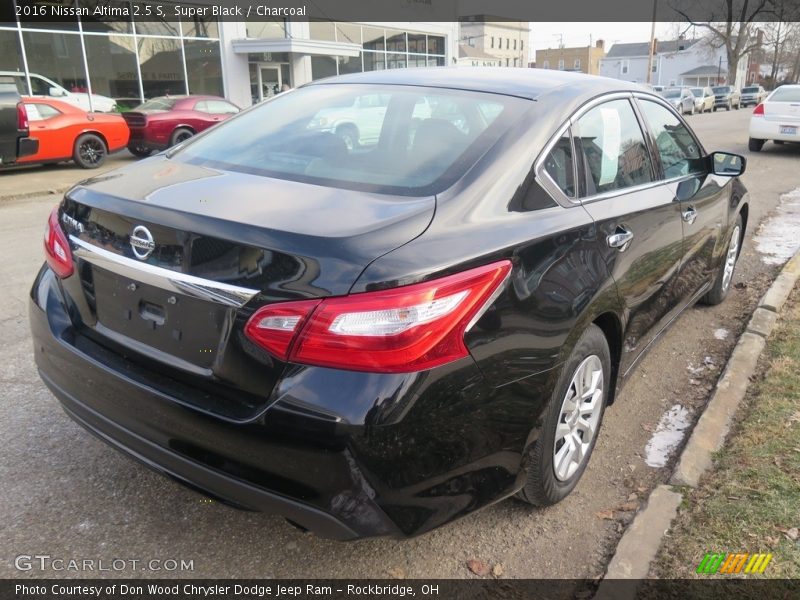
<point x="652" y="43"/>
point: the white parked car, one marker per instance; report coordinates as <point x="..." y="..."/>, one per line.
<point x="703" y="99"/>
<point x="43" y="87"/>
<point x="777" y="118"/>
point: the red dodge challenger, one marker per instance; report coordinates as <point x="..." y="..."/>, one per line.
<point x="168" y="120"/>
<point x="66" y="132"/>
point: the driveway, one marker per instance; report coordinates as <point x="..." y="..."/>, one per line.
<point x="67" y="495"/>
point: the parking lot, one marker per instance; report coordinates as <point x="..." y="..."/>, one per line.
<point x="67" y="495"/>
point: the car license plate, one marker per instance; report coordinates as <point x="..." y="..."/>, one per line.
<point x="788" y="130"/>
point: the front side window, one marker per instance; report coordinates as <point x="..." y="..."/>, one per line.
<point x="611" y="145"/>
<point x="387" y="139"/>
<point x="676" y="146"/>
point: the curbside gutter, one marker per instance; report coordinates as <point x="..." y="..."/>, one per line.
<point x="641" y="541"/>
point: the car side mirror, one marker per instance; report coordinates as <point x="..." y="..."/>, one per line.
<point x="56" y="92"/>
<point x="726" y="164"/>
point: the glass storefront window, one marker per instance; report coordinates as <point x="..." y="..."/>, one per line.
<point x="349" y="64"/>
<point x="396" y="42"/>
<point x="374" y="61"/>
<point x="204" y="67"/>
<point x="373" y="39"/>
<point x="162" y="67"/>
<point x="322" y="30"/>
<point x="112" y="67"/>
<point x="58" y="57"/>
<point x="348" y="33"/>
<point x="148" y="21"/>
<point x="10" y="54"/>
<point x="266" y="30"/>
<point x="416" y="43"/>
<point x="322" y="66"/>
<point x="395" y="61"/>
<point x="435" y="44"/>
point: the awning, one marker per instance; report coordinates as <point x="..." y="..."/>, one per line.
<point x="298" y="46"/>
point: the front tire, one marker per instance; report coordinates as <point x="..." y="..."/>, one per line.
<point x="139" y="151"/>
<point x="724" y="279"/>
<point x="90" y="151"/>
<point x="571" y="422"/>
<point x="755" y="145"/>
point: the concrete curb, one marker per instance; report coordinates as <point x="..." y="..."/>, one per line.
<point x="640" y="542"/>
<point x="58" y="191"/>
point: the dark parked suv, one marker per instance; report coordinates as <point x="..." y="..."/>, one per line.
<point x="377" y="337"/>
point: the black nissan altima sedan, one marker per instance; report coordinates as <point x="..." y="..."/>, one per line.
<point x="381" y="301"/>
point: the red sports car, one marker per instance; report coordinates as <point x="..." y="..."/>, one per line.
<point x="66" y="132"/>
<point x="168" y="120"/>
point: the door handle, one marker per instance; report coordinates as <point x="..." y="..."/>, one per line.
<point x="620" y="239"/>
<point x="689" y="215"/>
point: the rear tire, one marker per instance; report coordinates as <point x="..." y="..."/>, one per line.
<point x="724" y="278"/>
<point x="560" y="455"/>
<point x="755" y="145"/>
<point x="181" y="134"/>
<point x="90" y="151"/>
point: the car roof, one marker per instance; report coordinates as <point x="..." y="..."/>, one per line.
<point x="521" y="82"/>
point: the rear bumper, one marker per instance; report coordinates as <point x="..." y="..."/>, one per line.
<point x="433" y="457"/>
<point x="762" y="129"/>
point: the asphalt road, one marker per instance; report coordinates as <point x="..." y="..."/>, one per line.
<point x="67" y="495"/>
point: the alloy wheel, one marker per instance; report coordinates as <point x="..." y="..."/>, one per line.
<point x="730" y="258"/>
<point x="579" y="418"/>
<point x="92" y="151"/>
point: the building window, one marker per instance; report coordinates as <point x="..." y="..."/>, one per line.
<point x="577" y="64"/>
<point x="161" y="65"/>
<point x="203" y="67"/>
<point x="508" y="43"/>
<point x="266" y="30"/>
<point x="624" y="67"/>
<point x="515" y="44"/>
<point x="492" y="42"/>
<point x="654" y="68"/>
<point x="507" y="61"/>
<point x="516" y="61"/>
<point x="561" y="64"/>
<point x="522" y="45"/>
<point x="546" y="64"/>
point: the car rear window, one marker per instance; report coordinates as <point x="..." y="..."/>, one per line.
<point x="785" y="94"/>
<point x="388" y="139"/>
<point x="672" y="94"/>
<point x="157" y="104"/>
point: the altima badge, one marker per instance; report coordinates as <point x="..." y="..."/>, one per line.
<point x="142" y="242"/>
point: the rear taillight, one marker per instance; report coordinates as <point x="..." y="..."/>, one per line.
<point x="22" y="117"/>
<point x="758" y="111"/>
<point x="405" y="329"/>
<point x="56" y="247"/>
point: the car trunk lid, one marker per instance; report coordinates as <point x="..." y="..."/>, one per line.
<point x="172" y="259"/>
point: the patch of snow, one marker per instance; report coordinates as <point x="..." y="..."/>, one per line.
<point x="669" y="433"/>
<point x="777" y="239"/>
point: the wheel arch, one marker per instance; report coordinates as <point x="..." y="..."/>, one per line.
<point x="611" y="326"/>
<point x="93" y="132"/>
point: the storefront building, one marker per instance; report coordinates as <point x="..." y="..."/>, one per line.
<point x="131" y="60"/>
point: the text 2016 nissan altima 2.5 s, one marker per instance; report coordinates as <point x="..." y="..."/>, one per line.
<point x="377" y="334"/>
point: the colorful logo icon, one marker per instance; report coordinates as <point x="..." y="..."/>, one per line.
<point x="742" y="562"/>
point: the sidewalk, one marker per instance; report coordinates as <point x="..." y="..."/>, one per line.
<point x="35" y="180"/>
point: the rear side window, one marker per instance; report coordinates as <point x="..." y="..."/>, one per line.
<point x="157" y="104"/>
<point x="676" y="146"/>
<point x="41" y="112"/>
<point x="611" y="145"/>
<point x="560" y="166"/>
<point x="388" y="139"/>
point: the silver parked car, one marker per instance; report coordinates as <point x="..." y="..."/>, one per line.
<point x="681" y="98"/>
<point x="753" y="94"/>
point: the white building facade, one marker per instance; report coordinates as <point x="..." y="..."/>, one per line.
<point x="676" y="63"/>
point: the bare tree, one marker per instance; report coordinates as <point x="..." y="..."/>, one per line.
<point x="731" y="25"/>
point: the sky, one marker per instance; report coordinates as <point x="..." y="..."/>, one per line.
<point x="549" y="35"/>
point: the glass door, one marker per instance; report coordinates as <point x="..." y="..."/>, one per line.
<point x="269" y="82"/>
